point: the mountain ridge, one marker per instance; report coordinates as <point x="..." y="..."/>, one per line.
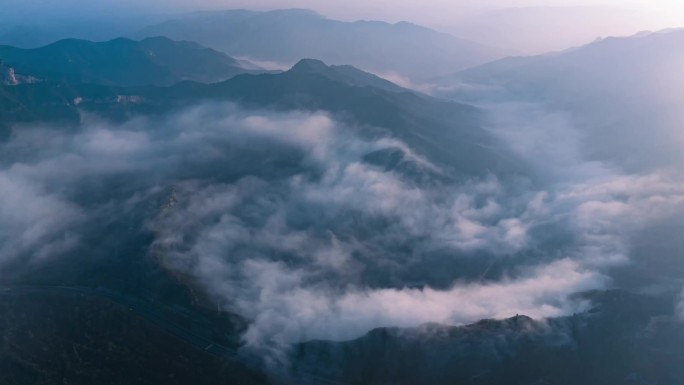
<point x="602" y="346"/>
<point x="123" y="62"/>
<point x="450" y="129"/>
<point x="284" y="36"/>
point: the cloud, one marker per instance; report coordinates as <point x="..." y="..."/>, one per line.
<point x="287" y="311"/>
<point x="679" y="309"/>
<point x="403" y="81"/>
<point x="35" y="224"/>
<point x="326" y="241"/>
<point x="285" y="219"/>
<point x="266" y="65"/>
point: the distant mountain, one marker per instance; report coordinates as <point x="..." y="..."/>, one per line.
<point x="541" y="29"/>
<point x="25" y="37"/>
<point x="123" y="62"/>
<point x="287" y="36"/>
<point x="610" y="57"/>
<point x="623" y="93"/>
<point x="35" y="32"/>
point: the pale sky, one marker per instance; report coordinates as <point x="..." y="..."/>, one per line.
<point x="390" y="10"/>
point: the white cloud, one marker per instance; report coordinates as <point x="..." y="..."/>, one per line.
<point x="278" y="217"/>
<point x="34" y="224"/>
<point x="320" y="291"/>
<point x="285" y="310"/>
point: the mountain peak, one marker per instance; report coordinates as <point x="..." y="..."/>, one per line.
<point x="295" y="12"/>
<point x="347" y="74"/>
<point x="7" y="75"/>
<point x="310" y="65"/>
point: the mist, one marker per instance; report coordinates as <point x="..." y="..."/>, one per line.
<point x="283" y="219"/>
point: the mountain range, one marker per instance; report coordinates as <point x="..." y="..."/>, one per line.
<point x="611" y="88"/>
<point x="124" y="62"/>
<point x="285" y="36"/>
<point x="450" y="131"/>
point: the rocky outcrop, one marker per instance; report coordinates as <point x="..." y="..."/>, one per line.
<point x="9" y="77"/>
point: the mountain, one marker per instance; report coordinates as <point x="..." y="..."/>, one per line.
<point x="622" y="93"/>
<point x="25" y="37"/>
<point x="345" y="74"/>
<point x="103" y="341"/>
<point x="117" y="275"/>
<point x="607" y="345"/>
<point x="123" y="62"/>
<point x="37" y="31"/>
<point x="449" y="131"/>
<point x="287" y="36"/>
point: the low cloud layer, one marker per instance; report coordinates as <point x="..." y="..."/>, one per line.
<point x="35" y="224"/>
<point x="290" y="219"/>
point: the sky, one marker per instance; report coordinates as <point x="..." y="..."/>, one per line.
<point x="427" y="11"/>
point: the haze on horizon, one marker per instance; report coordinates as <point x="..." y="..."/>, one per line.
<point x="526" y="26"/>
